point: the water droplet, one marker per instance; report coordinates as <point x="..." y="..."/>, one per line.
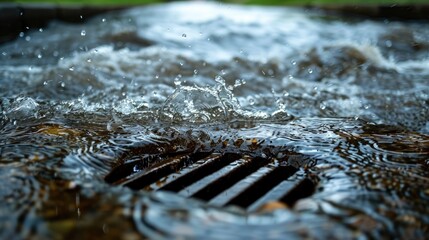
<point x="220" y="80"/>
<point x="184" y="35"/>
<point x="195" y="71"/>
<point x="251" y="102"/>
<point x="81" y="17"/>
<point x="322" y="106"/>
<point x="21" y="34"/>
<point x="40" y="29"/>
<point x="45" y="83"/>
<point x="310" y="71"/>
<point x="181" y="63"/>
<point x="103" y="20"/>
<point x="63" y="84"/>
<point x="239" y="82"/>
<point x="105" y="229"/>
<point x="27" y="38"/>
<point x="4" y="53"/>
<point x="286" y="94"/>
<point x="156" y="76"/>
<point x="388" y="43"/>
<point x="293" y="62"/>
<point x="88" y="60"/>
<point x="71" y="68"/>
<point x="177" y="82"/>
<point x="223" y="72"/>
<point x="366" y="106"/>
<point x="83" y="33"/>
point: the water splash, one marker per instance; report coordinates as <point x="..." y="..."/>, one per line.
<point x="350" y="96"/>
<point x="201" y="104"/>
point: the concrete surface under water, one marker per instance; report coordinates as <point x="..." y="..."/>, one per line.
<point x="351" y="95"/>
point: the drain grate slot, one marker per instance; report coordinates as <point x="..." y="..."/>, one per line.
<point x="303" y="189"/>
<point x="162" y="169"/>
<point x="274" y="194"/>
<point x="223" y="198"/>
<point x="262" y="186"/>
<point x="137" y="164"/>
<point x="208" y="167"/>
<point x="229" y="179"/>
<point x="221" y="179"/>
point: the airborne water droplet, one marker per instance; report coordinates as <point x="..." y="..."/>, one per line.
<point x="251" y="101"/>
<point x="388" y="43"/>
<point x="220" y="80"/>
<point x="177" y="82"/>
<point x="83" y="33"/>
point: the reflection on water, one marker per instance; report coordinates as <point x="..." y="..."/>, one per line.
<point x="352" y="96"/>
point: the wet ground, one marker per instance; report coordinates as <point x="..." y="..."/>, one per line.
<point x="350" y="95"/>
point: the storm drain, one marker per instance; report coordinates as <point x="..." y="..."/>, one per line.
<point x="220" y="179"/>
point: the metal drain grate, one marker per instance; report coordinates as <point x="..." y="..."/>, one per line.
<point x="220" y="179"/>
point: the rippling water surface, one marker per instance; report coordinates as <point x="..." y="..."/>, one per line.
<point x="350" y="94"/>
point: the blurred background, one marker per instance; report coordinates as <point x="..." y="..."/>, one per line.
<point x="261" y="2"/>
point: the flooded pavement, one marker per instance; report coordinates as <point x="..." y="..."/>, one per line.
<point x="350" y="96"/>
